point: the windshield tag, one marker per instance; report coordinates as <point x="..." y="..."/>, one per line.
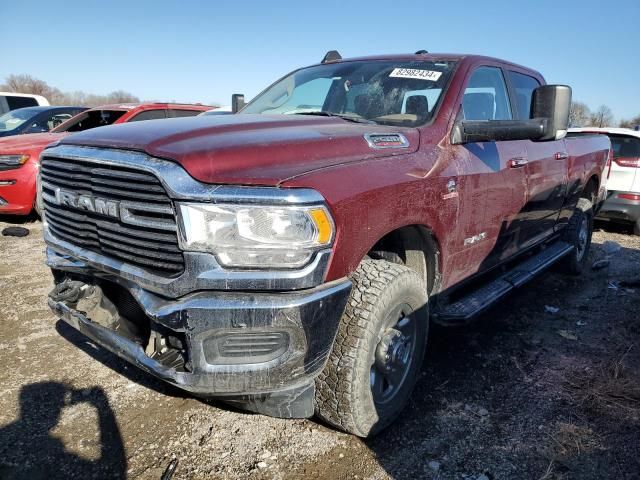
<point x="416" y="74"/>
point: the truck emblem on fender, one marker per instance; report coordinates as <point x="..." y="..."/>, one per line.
<point x="386" y="140"/>
<point x="109" y="208"/>
<point x="452" y="188"/>
<point x="475" y="239"/>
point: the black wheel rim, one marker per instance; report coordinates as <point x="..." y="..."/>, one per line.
<point x="394" y="354"/>
<point x="583" y="238"/>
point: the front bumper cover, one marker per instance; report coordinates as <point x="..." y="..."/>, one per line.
<point x="307" y="319"/>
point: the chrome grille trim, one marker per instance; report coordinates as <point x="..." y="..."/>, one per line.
<point x="119" y="212"/>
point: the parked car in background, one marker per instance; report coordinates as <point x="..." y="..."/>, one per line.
<point x="623" y="199"/>
<point x="290" y="257"/>
<point x="19" y="155"/>
<point x="226" y="110"/>
<point x="12" y="101"/>
<point x="35" y="119"/>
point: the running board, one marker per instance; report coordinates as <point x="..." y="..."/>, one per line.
<point x="463" y="310"/>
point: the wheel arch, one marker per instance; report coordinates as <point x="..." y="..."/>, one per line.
<point x="415" y="246"/>
<point x="591" y="187"/>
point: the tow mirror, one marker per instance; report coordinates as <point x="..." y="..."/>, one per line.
<point x="549" y="120"/>
<point x="237" y="102"/>
<point x="552" y="103"/>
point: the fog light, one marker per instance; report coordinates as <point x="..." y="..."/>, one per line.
<point x="246" y="347"/>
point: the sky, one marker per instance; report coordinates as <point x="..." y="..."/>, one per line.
<point x="204" y="51"/>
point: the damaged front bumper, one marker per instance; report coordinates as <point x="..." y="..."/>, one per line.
<point x="262" y="350"/>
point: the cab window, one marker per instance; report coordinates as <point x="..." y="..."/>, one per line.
<point x="524" y="85"/>
<point x="485" y="97"/>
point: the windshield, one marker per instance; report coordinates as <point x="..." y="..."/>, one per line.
<point x="382" y="92"/>
<point x="90" y="119"/>
<point x="15" y="118"/>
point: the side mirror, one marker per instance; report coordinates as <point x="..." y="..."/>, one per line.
<point x="237" y="102"/>
<point x="549" y="120"/>
<point x="552" y="103"/>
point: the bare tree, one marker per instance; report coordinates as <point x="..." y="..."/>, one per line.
<point x="27" y="84"/>
<point x="579" y="115"/>
<point x="631" y="123"/>
<point x="602" y="117"/>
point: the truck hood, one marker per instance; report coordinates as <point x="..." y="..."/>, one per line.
<point x="25" y="143"/>
<point x="248" y="149"/>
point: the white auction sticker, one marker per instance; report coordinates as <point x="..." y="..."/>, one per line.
<point x="416" y="74"/>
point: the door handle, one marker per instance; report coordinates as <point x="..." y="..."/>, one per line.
<point x="517" y="162"/>
<point x="562" y="155"/>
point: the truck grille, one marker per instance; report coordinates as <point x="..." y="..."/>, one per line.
<point x="120" y="212"/>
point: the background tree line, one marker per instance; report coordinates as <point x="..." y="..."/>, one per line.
<point x="28" y="84"/>
<point x="581" y="115"/>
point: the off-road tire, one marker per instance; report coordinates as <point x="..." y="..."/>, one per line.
<point x="574" y="263"/>
<point x="344" y="398"/>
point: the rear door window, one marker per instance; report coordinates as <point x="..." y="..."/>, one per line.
<point x="20" y="102"/>
<point x="485" y="97"/>
<point x="623" y="146"/>
<point x="149" y="115"/>
<point x="48" y="122"/>
<point x="524" y="85"/>
<point x="92" y="119"/>
<point x="175" y="113"/>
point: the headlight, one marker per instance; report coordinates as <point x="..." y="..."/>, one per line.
<point x="255" y="236"/>
<point x="9" y="162"/>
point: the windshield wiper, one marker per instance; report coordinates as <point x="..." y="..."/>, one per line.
<point x="325" y="113"/>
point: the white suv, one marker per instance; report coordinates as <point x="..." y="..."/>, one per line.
<point x="12" y="101"/>
<point x="623" y="201"/>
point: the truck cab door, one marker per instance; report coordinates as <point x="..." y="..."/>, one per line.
<point x="547" y="166"/>
<point x="493" y="233"/>
<point x="547" y="169"/>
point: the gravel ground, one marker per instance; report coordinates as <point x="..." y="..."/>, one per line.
<point x="545" y="386"/>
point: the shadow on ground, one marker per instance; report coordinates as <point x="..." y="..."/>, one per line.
<point x="29" y="449"/>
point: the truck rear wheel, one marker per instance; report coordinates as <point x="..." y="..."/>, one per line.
<point x="578" y="233"/>
<point x="378" y="351"/>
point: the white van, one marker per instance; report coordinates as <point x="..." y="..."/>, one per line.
<point x="12" y="101"/>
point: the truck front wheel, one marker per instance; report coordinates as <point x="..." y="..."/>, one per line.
<point x="378" y="351"/>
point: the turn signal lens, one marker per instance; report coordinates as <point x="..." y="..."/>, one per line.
<point x="323" y="225"/>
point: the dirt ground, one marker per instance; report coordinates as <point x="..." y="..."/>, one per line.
<point x="545" y="386"/>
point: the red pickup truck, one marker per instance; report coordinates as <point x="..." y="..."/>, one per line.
<point x="290" y="258"/>
<point x="19" y="155"/>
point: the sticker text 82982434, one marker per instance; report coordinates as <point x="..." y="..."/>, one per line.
<point x="416" y="74"/>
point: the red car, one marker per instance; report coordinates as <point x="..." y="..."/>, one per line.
<point x="19" y="155"/>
